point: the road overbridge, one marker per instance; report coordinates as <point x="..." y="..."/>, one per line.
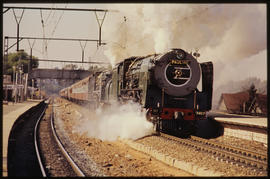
<point x="58" y="74"/>
<point x="53" y="80"/>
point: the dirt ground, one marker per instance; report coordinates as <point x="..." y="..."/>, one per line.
<point x="118" y="159"/>
<point x="114" y="158"/>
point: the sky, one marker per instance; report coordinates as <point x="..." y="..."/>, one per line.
<point x="57" y="24"/>
<point x="232" y="36"/>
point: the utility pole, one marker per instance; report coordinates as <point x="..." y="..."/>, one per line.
<point x="5" y="54"/>
<point x="15" y="91"/>
<point x="83" y="48"/>
<point x="31" y="55"/>
<point x="13" y="80"/>
<point x="20" y="83"/>
<point x="32" y="88"/>
<point x="100" y="23"/>
<point x="18" y="26"/>
<point x="25" y="85"/>
<point x="39" y="88"/>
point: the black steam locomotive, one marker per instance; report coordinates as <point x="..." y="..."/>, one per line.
<point x="164" y="84"/>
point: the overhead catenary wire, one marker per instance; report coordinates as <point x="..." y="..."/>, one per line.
<point x="123" y="26"/>
<point x="123" y="46"/>
<point x="45" y="42"/>
<point x="47" y="19"/>
<point x="50" y="15"/>
<point x="58" y="22"/>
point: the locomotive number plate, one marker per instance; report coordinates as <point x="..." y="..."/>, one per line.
<point x="179" y="62"/>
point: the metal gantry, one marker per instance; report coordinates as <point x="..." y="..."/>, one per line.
<point x="63" y="39"/>
<point x="18" y="38"/>
<point x="19" y="18"/>
<point x="100" y="21"/>
<point x="61" y="9"/>
<point x="18" y="26"/>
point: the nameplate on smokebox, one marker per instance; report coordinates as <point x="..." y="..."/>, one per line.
<point x="179" y="62"/>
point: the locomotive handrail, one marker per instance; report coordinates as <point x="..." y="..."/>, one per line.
<point x="133" y="89"/>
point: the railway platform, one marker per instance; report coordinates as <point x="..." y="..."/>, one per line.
<point x="11" y="111"/>
<point x="242" y="126"/>
<point x="255" y="122"/>
<point x="252" y="121"/>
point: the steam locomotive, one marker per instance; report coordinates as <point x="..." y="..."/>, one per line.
<point x="164" y="84"/>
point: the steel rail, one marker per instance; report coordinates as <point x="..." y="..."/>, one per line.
<point x="235" y="149"/>
<point x="76" y="169"/>
<point x="36" y="145"/>
<point x="226" y="155"/>
<point x="233" y="156"/>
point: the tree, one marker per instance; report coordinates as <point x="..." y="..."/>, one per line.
<point x="19" y="59"/>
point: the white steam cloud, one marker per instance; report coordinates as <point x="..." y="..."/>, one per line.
<point x="220" y="31"/>
<point x="233" y="36"/>
<point x="116" y="121"/>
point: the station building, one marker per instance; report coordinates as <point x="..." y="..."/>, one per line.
<point x="237" y="103"/>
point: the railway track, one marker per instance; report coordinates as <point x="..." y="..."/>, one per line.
<point x="25" y="155"/>
<point x="73" y="164"/>
<point x="231" y="154"/>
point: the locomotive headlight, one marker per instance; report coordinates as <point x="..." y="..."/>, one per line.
<point x="180" y="54"/>
<point x="177" y="73"/>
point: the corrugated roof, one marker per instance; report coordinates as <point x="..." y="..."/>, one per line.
<point x="234" y="102"/>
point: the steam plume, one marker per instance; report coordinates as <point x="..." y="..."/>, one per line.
<point x="230" y="35"/>
<point x="117" y="121"/>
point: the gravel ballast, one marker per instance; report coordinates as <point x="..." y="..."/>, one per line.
<point x="104" y="158"/>
<point x="118" y="159"/>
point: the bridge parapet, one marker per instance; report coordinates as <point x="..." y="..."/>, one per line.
<point x="59" y="74"/>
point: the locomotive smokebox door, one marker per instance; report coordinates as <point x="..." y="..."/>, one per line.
<point x="177" y="72"/>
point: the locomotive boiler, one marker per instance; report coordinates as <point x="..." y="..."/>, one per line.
<point x="166" y="85"/>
